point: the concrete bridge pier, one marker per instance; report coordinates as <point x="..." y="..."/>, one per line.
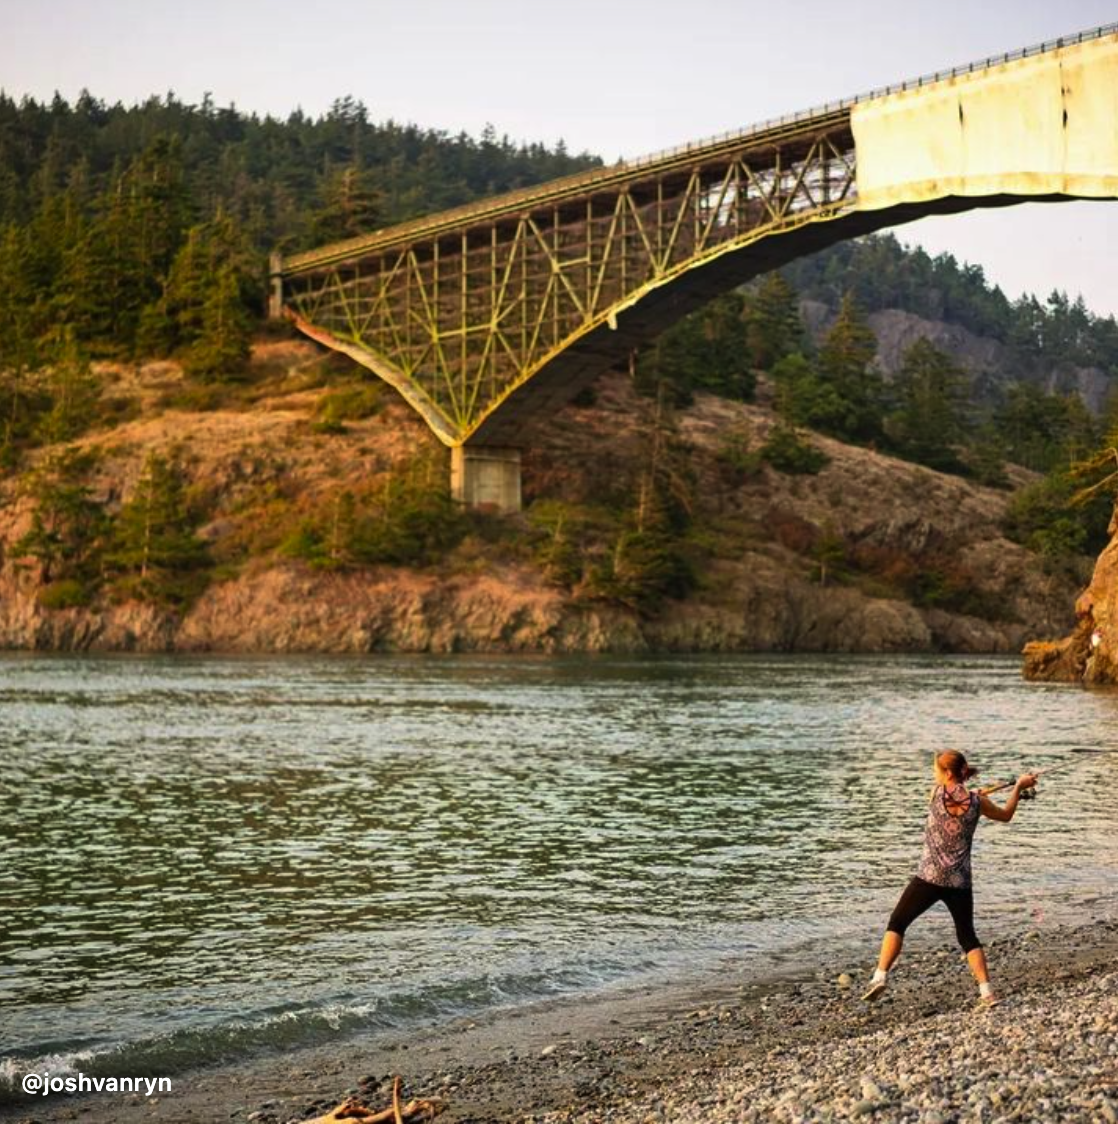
<point x="486" y="478"/>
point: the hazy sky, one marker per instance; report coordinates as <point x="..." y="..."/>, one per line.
<point x="614" y="77"/>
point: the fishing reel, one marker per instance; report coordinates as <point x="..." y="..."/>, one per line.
<point x="1028" y="793"/>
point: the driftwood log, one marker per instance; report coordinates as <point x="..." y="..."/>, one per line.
<point x="414" y="1112"/>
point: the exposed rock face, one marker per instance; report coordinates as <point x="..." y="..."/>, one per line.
<point x="760" y="589"/>
<point x="1090" y="653"/>
<point x="990" y="364"/>
<point x="287" y="608"/>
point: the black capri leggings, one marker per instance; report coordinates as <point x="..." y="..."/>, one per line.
<point x="919" y="896"/>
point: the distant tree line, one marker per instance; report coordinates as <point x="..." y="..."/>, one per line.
<point x="142" y="230"/>
<point x="925" y="412"/>
<point x="881" y="273"/>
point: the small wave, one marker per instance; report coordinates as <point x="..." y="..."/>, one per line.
<point x="290" y="1027"/>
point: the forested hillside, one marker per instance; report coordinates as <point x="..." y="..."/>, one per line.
<point x="132" y="247"/>
<point x="880" y="274"/>
<point x="143" y="230"/>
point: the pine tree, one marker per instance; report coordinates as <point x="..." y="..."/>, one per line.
<point x="985" y="457"/>
<point x="20" y="400"/>
<point x="338" y="541"/>
<point x="73" y="391"/>
<point x="829" y="555"/>
<point x="648" y="559"/>
<point x="804" y="398"/>
<point x="774" y="329"/>
<point x="1043" y="431"/>
<point x="845" y="362"/>
<point x="68" y="525"/>
<point x="557" y="553"/>
<point x="929" y="421"/>
<point x="351" y="205"/>
<point x="155" y="548"/>
<point x="222" y="348"/>
<point x="706" y="350"/>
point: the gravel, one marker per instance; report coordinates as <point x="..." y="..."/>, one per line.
<point x="1048" y="1052"/>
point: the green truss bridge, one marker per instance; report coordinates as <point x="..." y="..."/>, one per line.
<point x="488" y="317"/>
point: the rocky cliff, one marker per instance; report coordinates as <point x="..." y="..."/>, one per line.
<point x="1090" y="653"/>
<point x="760" y="538"/>
<point x="991" y="366"/>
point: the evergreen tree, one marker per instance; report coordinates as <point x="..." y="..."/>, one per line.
<point x="1043" y="431"/>
<point x="407" y="519"/>
<point x="222" y="348"/>
<point x="929" y="423"/>
<point x="774" y="329"/>
<point x="213" y="254"/>
<point x="804" y="398"/>
<point x="350" y="205"/>
<point x="648" y="560"/>
<point x="829" y="555"/>
<point x="155" y="548"/>
<point x="20" y="399"/>
<point x="413" y="520"/>
<point x="845" y="360"/>
<point x="557" y="551"/>
<point x="787" y="450"/>
<point x="73" y="391"/>
<point x="68" y="525"/>
<point x="985" y="457"/>
<point x="707" y="350"/>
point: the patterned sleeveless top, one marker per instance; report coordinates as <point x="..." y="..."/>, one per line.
<point x="947" y="838"/>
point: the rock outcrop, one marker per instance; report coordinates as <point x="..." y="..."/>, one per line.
<point x="989" y="364"/>
<point x="1090" y="653"/>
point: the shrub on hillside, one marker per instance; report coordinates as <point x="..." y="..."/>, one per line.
<point x="409" y="519"/>
<point x="1044" y="517"/>
<point x="351" y="403"/>
<point x="67" y="593"/>
<point x="787" y="451"/>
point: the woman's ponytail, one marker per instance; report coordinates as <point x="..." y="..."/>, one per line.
<point x="952" y="762"/>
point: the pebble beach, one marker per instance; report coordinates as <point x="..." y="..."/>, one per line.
<point x="802" y="1047"/>
<point x="1047" y="1053"/>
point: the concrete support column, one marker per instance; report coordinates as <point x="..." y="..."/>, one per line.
<point x="275" y="287"/>
<point x="486" y="478"/>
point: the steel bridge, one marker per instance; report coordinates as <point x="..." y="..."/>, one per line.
<point x="489" y="316"/>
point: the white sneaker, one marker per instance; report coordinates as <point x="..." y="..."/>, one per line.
<point x="873" y="991"/>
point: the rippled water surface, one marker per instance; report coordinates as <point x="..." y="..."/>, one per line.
<point x="203" y="857"/>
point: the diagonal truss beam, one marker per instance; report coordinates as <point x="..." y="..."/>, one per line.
<point x="457" y="321"/>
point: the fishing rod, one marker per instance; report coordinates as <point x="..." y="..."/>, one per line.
<point x="1029" y="793"/>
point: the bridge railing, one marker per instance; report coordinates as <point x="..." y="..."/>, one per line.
<point x="880" y="92"/>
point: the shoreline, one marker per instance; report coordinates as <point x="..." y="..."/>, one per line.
<point x="711" y="1050"/>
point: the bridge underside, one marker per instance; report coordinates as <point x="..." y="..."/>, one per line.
<point x="584" y="360"/>
<point x="611" y="343"/>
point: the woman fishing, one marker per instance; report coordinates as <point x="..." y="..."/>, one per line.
<point x="944" y="874"/>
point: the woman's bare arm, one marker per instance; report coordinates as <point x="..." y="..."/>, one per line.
<point x="1003" y="814"/>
